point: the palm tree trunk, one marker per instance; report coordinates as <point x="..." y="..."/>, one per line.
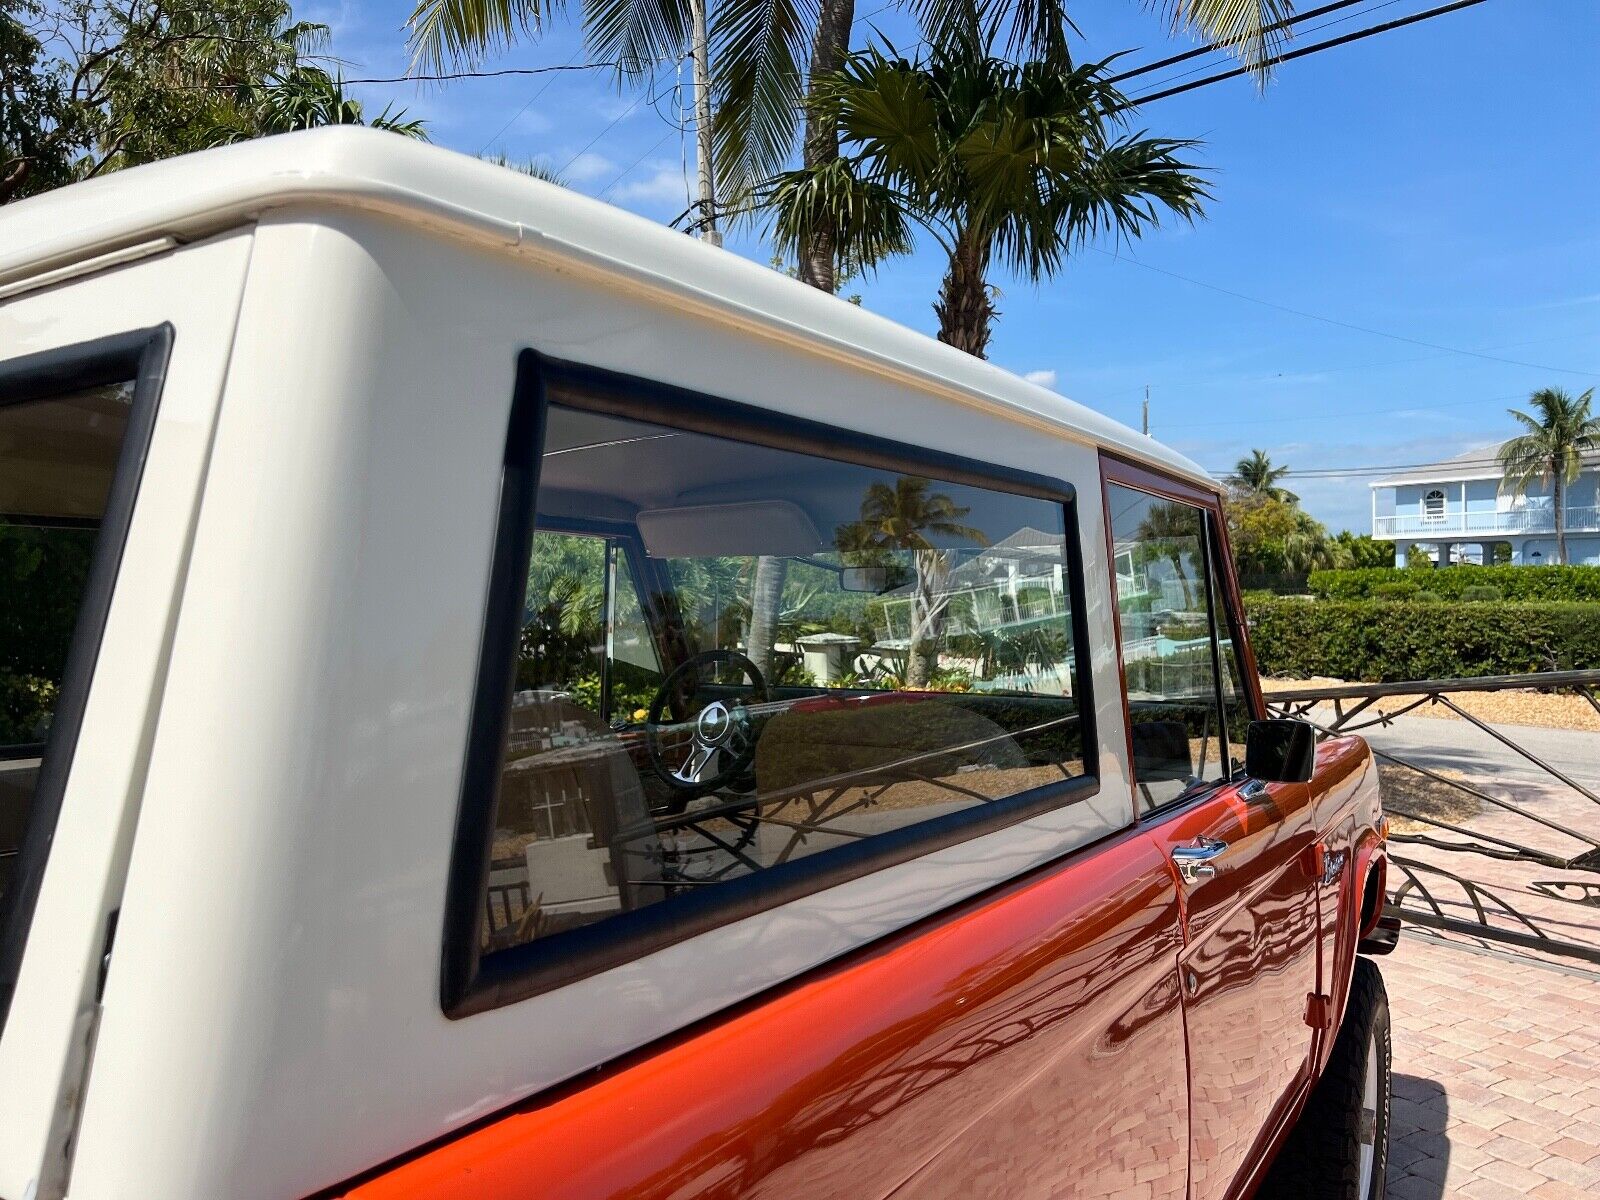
<point x="766" y="605"/>
<point x="965" y="311"/>
<point x="1561" y="516"/>
<point x="819" y="258"/>
<point x="928" y="610"/>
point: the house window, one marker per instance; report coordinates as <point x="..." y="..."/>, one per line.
<point x="1433" y="505"/>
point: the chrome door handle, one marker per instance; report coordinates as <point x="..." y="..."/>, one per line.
<point x="1194" y="861"/>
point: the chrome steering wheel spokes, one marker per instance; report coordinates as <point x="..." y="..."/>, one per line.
<point x="719" y="729"/>
<point x="714" y="742"/>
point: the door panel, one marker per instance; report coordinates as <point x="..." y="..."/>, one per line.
<point x="1249" y="964"/>
<point x="1029" y="1045"/>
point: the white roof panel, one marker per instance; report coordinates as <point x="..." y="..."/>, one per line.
<point x="454" y="195"/>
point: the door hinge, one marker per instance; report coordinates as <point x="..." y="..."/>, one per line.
<point x="1319" y="1010"/>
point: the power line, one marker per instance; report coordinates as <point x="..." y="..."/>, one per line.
<point x="511" y="120"/>
<point x="1311" y="316"/>
<point x="614" y="123"/>
<point x="1213" y="47"/>
<point x="634" y="165"/>
<point x="1302" y="52"/>
<point x="1359" y="472"/>
<point x="1209" y="66"/>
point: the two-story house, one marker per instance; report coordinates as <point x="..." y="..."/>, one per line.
<point x="1457" y="511"/>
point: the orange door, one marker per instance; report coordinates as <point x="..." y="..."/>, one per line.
<point x="1240" y="850"/>
<point x="1248" y="967"/>
<point x="1028" y="1045"/>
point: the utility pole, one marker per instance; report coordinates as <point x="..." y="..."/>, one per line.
<point x="707" y="221"/>
<point x="1145" y="428"/>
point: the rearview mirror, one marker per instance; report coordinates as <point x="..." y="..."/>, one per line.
<point x="1280" y="751"/>
<point x="864" y="579"/>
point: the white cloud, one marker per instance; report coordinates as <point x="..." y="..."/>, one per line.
<point x="664" y="183"/>
<point x="588" y="167"/>
<point x="1042" y="378"/>
<point x="613" y="107"/>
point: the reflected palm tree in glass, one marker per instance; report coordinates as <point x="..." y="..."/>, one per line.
<point x="905" y="518"/>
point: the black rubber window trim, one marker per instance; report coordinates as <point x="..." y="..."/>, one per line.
<point x="140" y="356"/>
<point x="471" y="982"/>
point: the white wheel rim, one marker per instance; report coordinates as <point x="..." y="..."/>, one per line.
<point x="1367" y="1127"/>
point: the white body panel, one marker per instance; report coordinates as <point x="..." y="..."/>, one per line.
<point x="272" y="1020"/>
<point x="43" y="1044"/>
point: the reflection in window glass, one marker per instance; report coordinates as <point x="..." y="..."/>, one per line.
<point x="57" y="458"/>
<point x="1164" y="610"/>
<point x="734" y="657"/>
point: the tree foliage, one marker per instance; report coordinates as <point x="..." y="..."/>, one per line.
<point x="1258" y="476"/>
<point x="1552" y="449"/>
<point x="96" y="85"/>
<point x="1008" y="166"/>
<point x="1384" y="640"/>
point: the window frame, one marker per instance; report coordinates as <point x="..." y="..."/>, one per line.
<point x="1218" y="560"/>
<point x="1432" y="517"/>
<point x="140" y="356"/>
<point x="471" y="982"/>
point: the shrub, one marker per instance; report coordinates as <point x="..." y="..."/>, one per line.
<point x="1428" y="598"/>
<point x="1384" y="640"/>
<point x="1395" y="591"/>
<point x="1553" y="583"/>
<point x="1479" y="595"/>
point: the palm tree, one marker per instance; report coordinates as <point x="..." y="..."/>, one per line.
<point x="769" y="54"/>
<point x="308" y="97"/>
<point x="902" y="518"/>
<point x="1258" y="477"/>
<point x="1552" y="450"/>
<point x="1007" y="163"/>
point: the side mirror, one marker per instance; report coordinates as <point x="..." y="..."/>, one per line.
<point x="1280" y="751"/>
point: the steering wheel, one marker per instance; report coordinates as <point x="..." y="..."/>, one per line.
<point x="713" y="747"/>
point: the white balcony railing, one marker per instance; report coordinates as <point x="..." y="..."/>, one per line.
<point x="1585" y="519"/>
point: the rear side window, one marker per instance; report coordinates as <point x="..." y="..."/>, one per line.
<point x="747" y="670"/>
<point x="72" y="426"/>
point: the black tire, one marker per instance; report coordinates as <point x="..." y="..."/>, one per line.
<point x="1321" y="1160"/>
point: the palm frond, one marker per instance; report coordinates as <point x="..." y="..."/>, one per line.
<point x="1556" y="441"/>
<point x="450" y="32"/>
<point x="637" y="35"/>
<point x="1244" y="27"/>
<point x="759" y="47"/>
<point x="865" y="218"/>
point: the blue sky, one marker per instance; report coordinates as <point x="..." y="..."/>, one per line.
<point x="1440" y="184"/>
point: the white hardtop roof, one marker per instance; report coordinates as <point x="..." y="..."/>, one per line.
<point x="452" y="194"/>
<point x="1481" y="462"/>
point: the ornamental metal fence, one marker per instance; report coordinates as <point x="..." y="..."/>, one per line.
<point x="1488" y="836"/>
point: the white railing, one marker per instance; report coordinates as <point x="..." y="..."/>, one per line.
<point x="1585" y="519"/>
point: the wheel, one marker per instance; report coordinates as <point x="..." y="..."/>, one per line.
<point x="1339" y="1148"/>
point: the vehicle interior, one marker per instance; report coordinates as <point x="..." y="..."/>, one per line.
<point x="735" y="655"/>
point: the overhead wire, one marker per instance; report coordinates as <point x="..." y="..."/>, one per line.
<point x="1306" y="51"/>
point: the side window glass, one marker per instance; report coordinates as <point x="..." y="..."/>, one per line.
<point x="1164" y="606"/>
<point x="1235" y="698"/>
<point x="772" y="656"/>
<point x="57" y="458"/>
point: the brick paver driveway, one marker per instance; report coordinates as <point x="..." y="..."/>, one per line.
<point x="1496" y="1074"/>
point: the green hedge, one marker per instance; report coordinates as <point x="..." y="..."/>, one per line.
<point x="1384" y="640"/>
<point x="1515" y="583"/>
